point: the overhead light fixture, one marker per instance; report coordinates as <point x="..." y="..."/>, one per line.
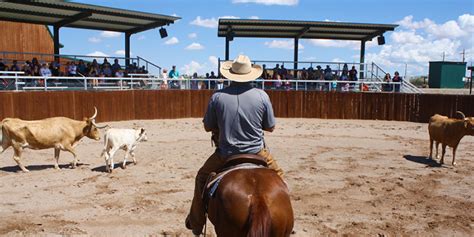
<point x="163" y="33"/>
<point x="381" y="40"/>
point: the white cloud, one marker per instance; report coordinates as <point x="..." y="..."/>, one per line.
<point x="194" y="46"/>
<point x="214" y="61"/>
<point x="98" y="54"/>
<point x="466" y="22"/>
<point x="229" y="17"/>
<point x="192" y="35"/>
<point x="283" y="44"/>
<point x="172" y="41"/>
<point x="110" y="34"/>
<point x="208" y="23"/>
<point x="407" y="22"/>
<point x="254" y="17"/>
<point x="141" y="37"/>
<point x="406" y="37"/>
<point x="191" y="68"/>
<point x="94" y="40"/>
<point x="419" y="42"/>
<point x="334" y="43"/>
<point x="121" y="52"/>
<point x="269" y="2"/>
<point x="449" y="29"/>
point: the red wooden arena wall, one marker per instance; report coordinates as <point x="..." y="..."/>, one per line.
<point x="171" y="104"/>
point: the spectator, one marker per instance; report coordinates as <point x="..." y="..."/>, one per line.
<point x="278" y="82"/>
<point x="266" y="76"/>
<point x="264" y="72"/>
<point x="106" y="63"/>
<point x="45" y="71"/>
<point x="14" y="67"/>
<point x="116" y="66"/>
<point x="345" y="69"/>
<point x="27" y="69"/>
<point x="174" y="76"/>
<point x="54" y="67"/>
<point x="397" y="78"/>
<point x="72" y="69"/>
<point x="35" y="64"/>
<point x="213" y="83"/>
<point x="344" y="73"/>
<point x="95" y="64"/>
<point x="283" y="72"/>
<point x="93" y="72"/>
<point x="107" y="71"/>
<point x="164" y="76"/>
<point x="119" y="73"/>
<point x="304" y="74"/>
<point x="81" y="68"/>
<point x="2" y="65"/>
<point x="328" y="77"/>
<point x="319" y="73"/>
<point x="194" y="82"/>
<point x="328" y="73"/>
<point x="353" y="74"/>
<point x="132" y="68"/>
<point x="387" y="86"/>
<point x="35" y="70"/>
<point x="143" y="70"/>
<point x="276" y="71"/>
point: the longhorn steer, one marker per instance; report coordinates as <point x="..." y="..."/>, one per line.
<point x="120" y="138"/>
<point x="59" y="133"/>
<point x="449" y="132"/>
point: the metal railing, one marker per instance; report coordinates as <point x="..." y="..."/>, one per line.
<point x="20" y="82"/>
<point x="8" y="58"/>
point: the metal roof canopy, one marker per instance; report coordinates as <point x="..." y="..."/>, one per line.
<point x="231" y="28"/>
<point x="85" y="16"/>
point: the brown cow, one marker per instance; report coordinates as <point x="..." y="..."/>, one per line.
<point x="449" y="132"/>
<point x="59" y="133"/>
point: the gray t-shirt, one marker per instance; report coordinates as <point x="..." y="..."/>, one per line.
<point x="240" y="113"/>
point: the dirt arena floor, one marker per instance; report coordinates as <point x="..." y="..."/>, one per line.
<point x="346" y="177"/>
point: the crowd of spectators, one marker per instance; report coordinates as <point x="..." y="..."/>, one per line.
<point x="72" y="68"/>
<point x="281" y="75"/>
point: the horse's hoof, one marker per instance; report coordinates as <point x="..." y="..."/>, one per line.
<point x="454" y="163"/>
<point x="57" y="168"/>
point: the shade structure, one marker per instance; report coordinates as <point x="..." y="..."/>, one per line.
<point x="256" y="28"/>
<point x="84" y="16"/>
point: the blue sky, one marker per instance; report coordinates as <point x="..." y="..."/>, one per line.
<point x="427" y="29"/>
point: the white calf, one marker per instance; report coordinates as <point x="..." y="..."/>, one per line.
<point x="125" y="139"/>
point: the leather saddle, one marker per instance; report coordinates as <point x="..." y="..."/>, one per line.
<point x="235" y="162"/>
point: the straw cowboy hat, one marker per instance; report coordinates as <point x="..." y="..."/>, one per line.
<point x="241" y="69"/>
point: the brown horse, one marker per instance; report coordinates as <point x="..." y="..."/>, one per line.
<point x="252" y="203"/>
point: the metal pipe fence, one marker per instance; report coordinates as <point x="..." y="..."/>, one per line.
<point x="18" y="82"/>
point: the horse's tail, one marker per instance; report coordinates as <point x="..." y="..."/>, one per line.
<point x="259" y="218"/>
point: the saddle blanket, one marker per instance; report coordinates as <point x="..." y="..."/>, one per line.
<point x="214" y="183"/>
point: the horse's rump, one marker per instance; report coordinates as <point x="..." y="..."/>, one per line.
<point x="251" y="198"/>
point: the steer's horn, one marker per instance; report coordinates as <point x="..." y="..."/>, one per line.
<point x="95" y="113"/>
<point x="97" y="126"/>
<point x="462" y="114"/>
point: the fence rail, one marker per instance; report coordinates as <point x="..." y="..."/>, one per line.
<point x="172" y="104"/>
<point x="16" y="81"/>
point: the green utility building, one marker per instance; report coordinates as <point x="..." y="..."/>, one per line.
<point x="445" y="74"/>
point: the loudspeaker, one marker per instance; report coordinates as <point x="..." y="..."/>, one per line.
<point x="163" y="33"/>
<point x="381" y="40"/>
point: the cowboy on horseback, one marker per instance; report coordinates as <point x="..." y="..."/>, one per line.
<point x="237" y="115"/>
